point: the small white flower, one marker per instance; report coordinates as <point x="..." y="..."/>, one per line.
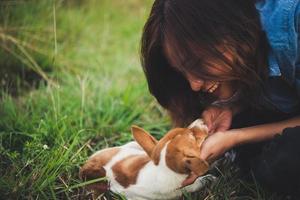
<point x="45" y="147"/>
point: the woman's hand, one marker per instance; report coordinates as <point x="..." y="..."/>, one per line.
<point x="217" y="119"/>
<point x="216" y="145"/>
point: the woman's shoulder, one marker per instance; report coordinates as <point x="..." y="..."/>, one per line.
<point x="280" y="20"/>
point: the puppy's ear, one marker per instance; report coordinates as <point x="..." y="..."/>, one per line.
<point x="200" y="135"/>
<point x="144" y="139"/>
<point x="196" y="165"/>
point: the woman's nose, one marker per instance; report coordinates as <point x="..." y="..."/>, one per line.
<point x="196" y="84"/>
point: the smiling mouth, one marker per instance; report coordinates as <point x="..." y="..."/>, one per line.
<point x="213" y="87"/>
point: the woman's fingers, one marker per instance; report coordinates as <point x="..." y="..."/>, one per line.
<point x="208" y="119"/>
<point x="217" y="119"/>
<point x="223" y="124"/>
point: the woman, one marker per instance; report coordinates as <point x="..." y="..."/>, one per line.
<point x="236" y="64"/>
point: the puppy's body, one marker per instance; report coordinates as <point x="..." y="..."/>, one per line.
<point x="153" y="180"/>
<point x="155" y="170"/>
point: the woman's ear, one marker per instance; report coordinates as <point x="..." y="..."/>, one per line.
<point x="144" y="139"/>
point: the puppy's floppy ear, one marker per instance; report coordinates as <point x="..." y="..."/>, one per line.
<point x="143" y="138"/>
<point x="200" y="135"/>
<point x="197" y="165"/>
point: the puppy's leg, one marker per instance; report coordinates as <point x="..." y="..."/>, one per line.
<point x="200" y="183"/>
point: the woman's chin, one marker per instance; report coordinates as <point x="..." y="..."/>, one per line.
<point x="224" y="92"/>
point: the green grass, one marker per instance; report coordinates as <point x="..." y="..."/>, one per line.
<point x="99" y="92"/>
<point x="88" y="52"/>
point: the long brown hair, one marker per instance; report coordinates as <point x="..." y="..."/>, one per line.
<point x="199" y="31"/>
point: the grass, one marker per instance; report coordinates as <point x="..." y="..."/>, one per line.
<point x="93" y="91"/>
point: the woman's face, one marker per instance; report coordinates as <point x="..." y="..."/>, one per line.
<point x="222" y="90"/>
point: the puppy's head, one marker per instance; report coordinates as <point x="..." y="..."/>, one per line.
<point x="182" y="148"/>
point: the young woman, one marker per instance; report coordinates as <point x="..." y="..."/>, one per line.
<point x="236" y="64"/>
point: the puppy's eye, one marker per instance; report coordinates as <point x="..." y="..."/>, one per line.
<point x="190" y="156"/>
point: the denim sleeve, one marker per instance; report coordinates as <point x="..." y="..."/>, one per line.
<point x="297" y="19"/>
<point x="280" y="20"/>
<point x="297" y="61"/>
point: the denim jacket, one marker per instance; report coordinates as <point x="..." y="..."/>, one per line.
<point x="280" y="20"/>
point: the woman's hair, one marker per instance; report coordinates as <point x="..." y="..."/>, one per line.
<point x="199" y="33"/>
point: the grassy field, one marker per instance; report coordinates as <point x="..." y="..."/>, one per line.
<point x="71" y="83"/>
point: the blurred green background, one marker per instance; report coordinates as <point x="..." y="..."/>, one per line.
<point x="71" y="83"/>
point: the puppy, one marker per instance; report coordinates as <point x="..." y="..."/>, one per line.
<point x="151" y="169"/>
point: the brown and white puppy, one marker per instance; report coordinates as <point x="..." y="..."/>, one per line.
<point x="151" y="169"/>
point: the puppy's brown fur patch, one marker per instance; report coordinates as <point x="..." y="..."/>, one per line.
<point x="170" y="135"/>
<point x="93" y="169"/>
<point x="126" y="170"/>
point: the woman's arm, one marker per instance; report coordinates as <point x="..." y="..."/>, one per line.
<point x="261" y="132"/>
<point x="218" y="143"/>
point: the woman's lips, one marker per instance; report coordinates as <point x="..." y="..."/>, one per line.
<point x="214" y="87"/>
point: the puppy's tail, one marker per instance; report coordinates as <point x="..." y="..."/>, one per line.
<point x="90" y="172"/>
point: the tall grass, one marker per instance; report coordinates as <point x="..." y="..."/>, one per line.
<point x="24" y="40"/>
